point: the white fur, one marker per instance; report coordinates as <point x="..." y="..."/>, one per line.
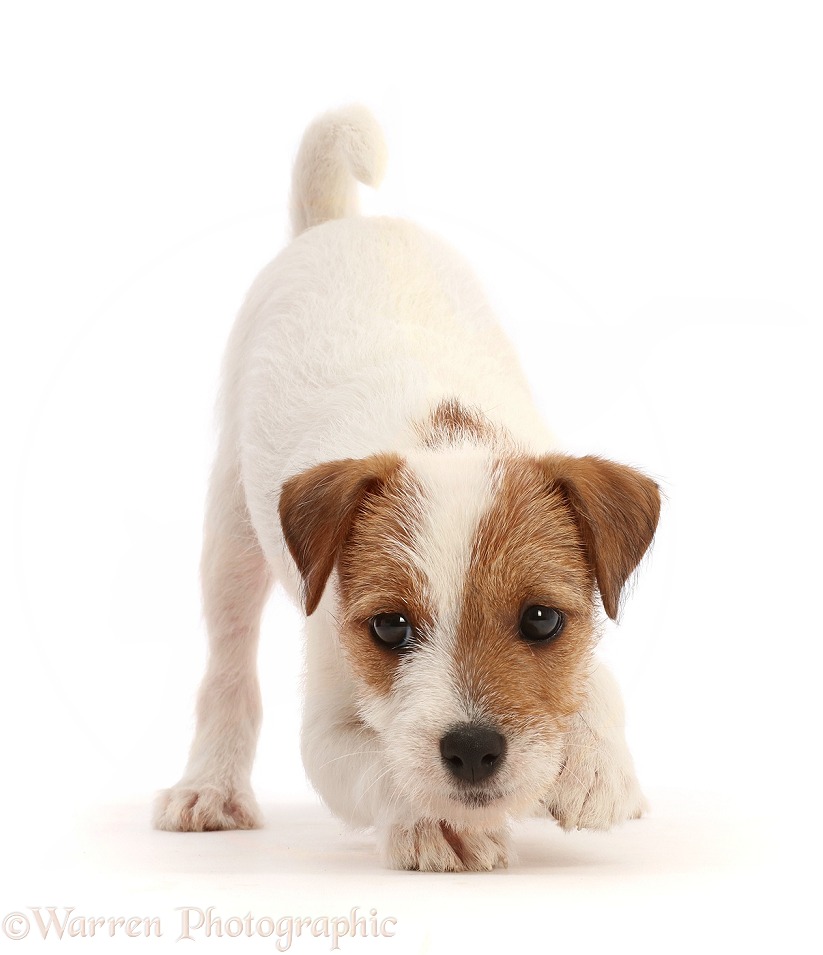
<point x="457" y="486"/>
<point x="337" y="149"/>
<point x="353" y="333"/>
<point x="428" y="698"/>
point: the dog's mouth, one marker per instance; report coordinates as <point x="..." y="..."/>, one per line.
<point x="476" y="798"/>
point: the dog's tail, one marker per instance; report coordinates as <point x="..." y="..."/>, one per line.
<point x="339" y="148"/>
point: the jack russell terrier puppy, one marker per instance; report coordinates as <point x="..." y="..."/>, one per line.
<point x="381" y="458"/>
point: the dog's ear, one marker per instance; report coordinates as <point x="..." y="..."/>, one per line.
<point x="317" y="509"/>
<point x="617" y="509"/>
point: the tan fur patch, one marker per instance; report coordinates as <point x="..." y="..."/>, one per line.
<point x="558" y="525"/>
<point x="452" y="422"/>
<point x="376" y="576"/>
<point x="528" y="550"/>
<point x="317" y="509"/>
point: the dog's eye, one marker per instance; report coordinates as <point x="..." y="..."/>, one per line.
<point x="541" y="623"/>
<point x="392" y="629"/>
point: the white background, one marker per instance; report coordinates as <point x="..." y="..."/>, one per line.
<point x="639" y="185"/>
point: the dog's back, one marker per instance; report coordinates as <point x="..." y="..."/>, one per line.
<point x="360" y="327"/>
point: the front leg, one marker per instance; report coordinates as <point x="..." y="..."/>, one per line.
<point x="436" y="846"/>
<point x="215" y="791"/>
<point x="597" y="786"/>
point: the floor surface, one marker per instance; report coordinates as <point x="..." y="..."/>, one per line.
<point x="695" y="875"/>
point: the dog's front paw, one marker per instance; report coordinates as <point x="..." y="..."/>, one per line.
<point x="437" y="847"/>
<point x="204" y="808"/>
<point x="597" y="787"/>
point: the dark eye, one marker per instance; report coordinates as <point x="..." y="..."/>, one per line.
<point x="541" y="623"/>
<point x="392" y="629"/>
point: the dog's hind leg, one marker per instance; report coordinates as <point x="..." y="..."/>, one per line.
<point x="215" y="790"/>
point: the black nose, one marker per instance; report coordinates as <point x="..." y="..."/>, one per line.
<point x="472" y="752"/>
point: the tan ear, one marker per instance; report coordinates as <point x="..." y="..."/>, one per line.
<point x="617" y="510"/>
<point x="317" y="508"/>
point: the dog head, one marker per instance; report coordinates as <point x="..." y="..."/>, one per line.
<point x="467" y="578"/>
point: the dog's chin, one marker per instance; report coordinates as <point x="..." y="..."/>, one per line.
<point x="472" y="808"/>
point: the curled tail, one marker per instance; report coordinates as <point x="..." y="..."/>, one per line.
<point x="339" y="149"/>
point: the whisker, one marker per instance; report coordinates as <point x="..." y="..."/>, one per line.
<point x="361" y="752"/>
<point x="371" y="785"/>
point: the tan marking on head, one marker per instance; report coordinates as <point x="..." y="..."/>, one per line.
<point x="452" y="422"/>
<point x="528" y="550"/>
<point x="558" y="525"/>
<point x="377" y="574"/>
<point x="317" y="509"/>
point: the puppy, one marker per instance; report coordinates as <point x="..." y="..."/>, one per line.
<point x="381" y="458"/>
